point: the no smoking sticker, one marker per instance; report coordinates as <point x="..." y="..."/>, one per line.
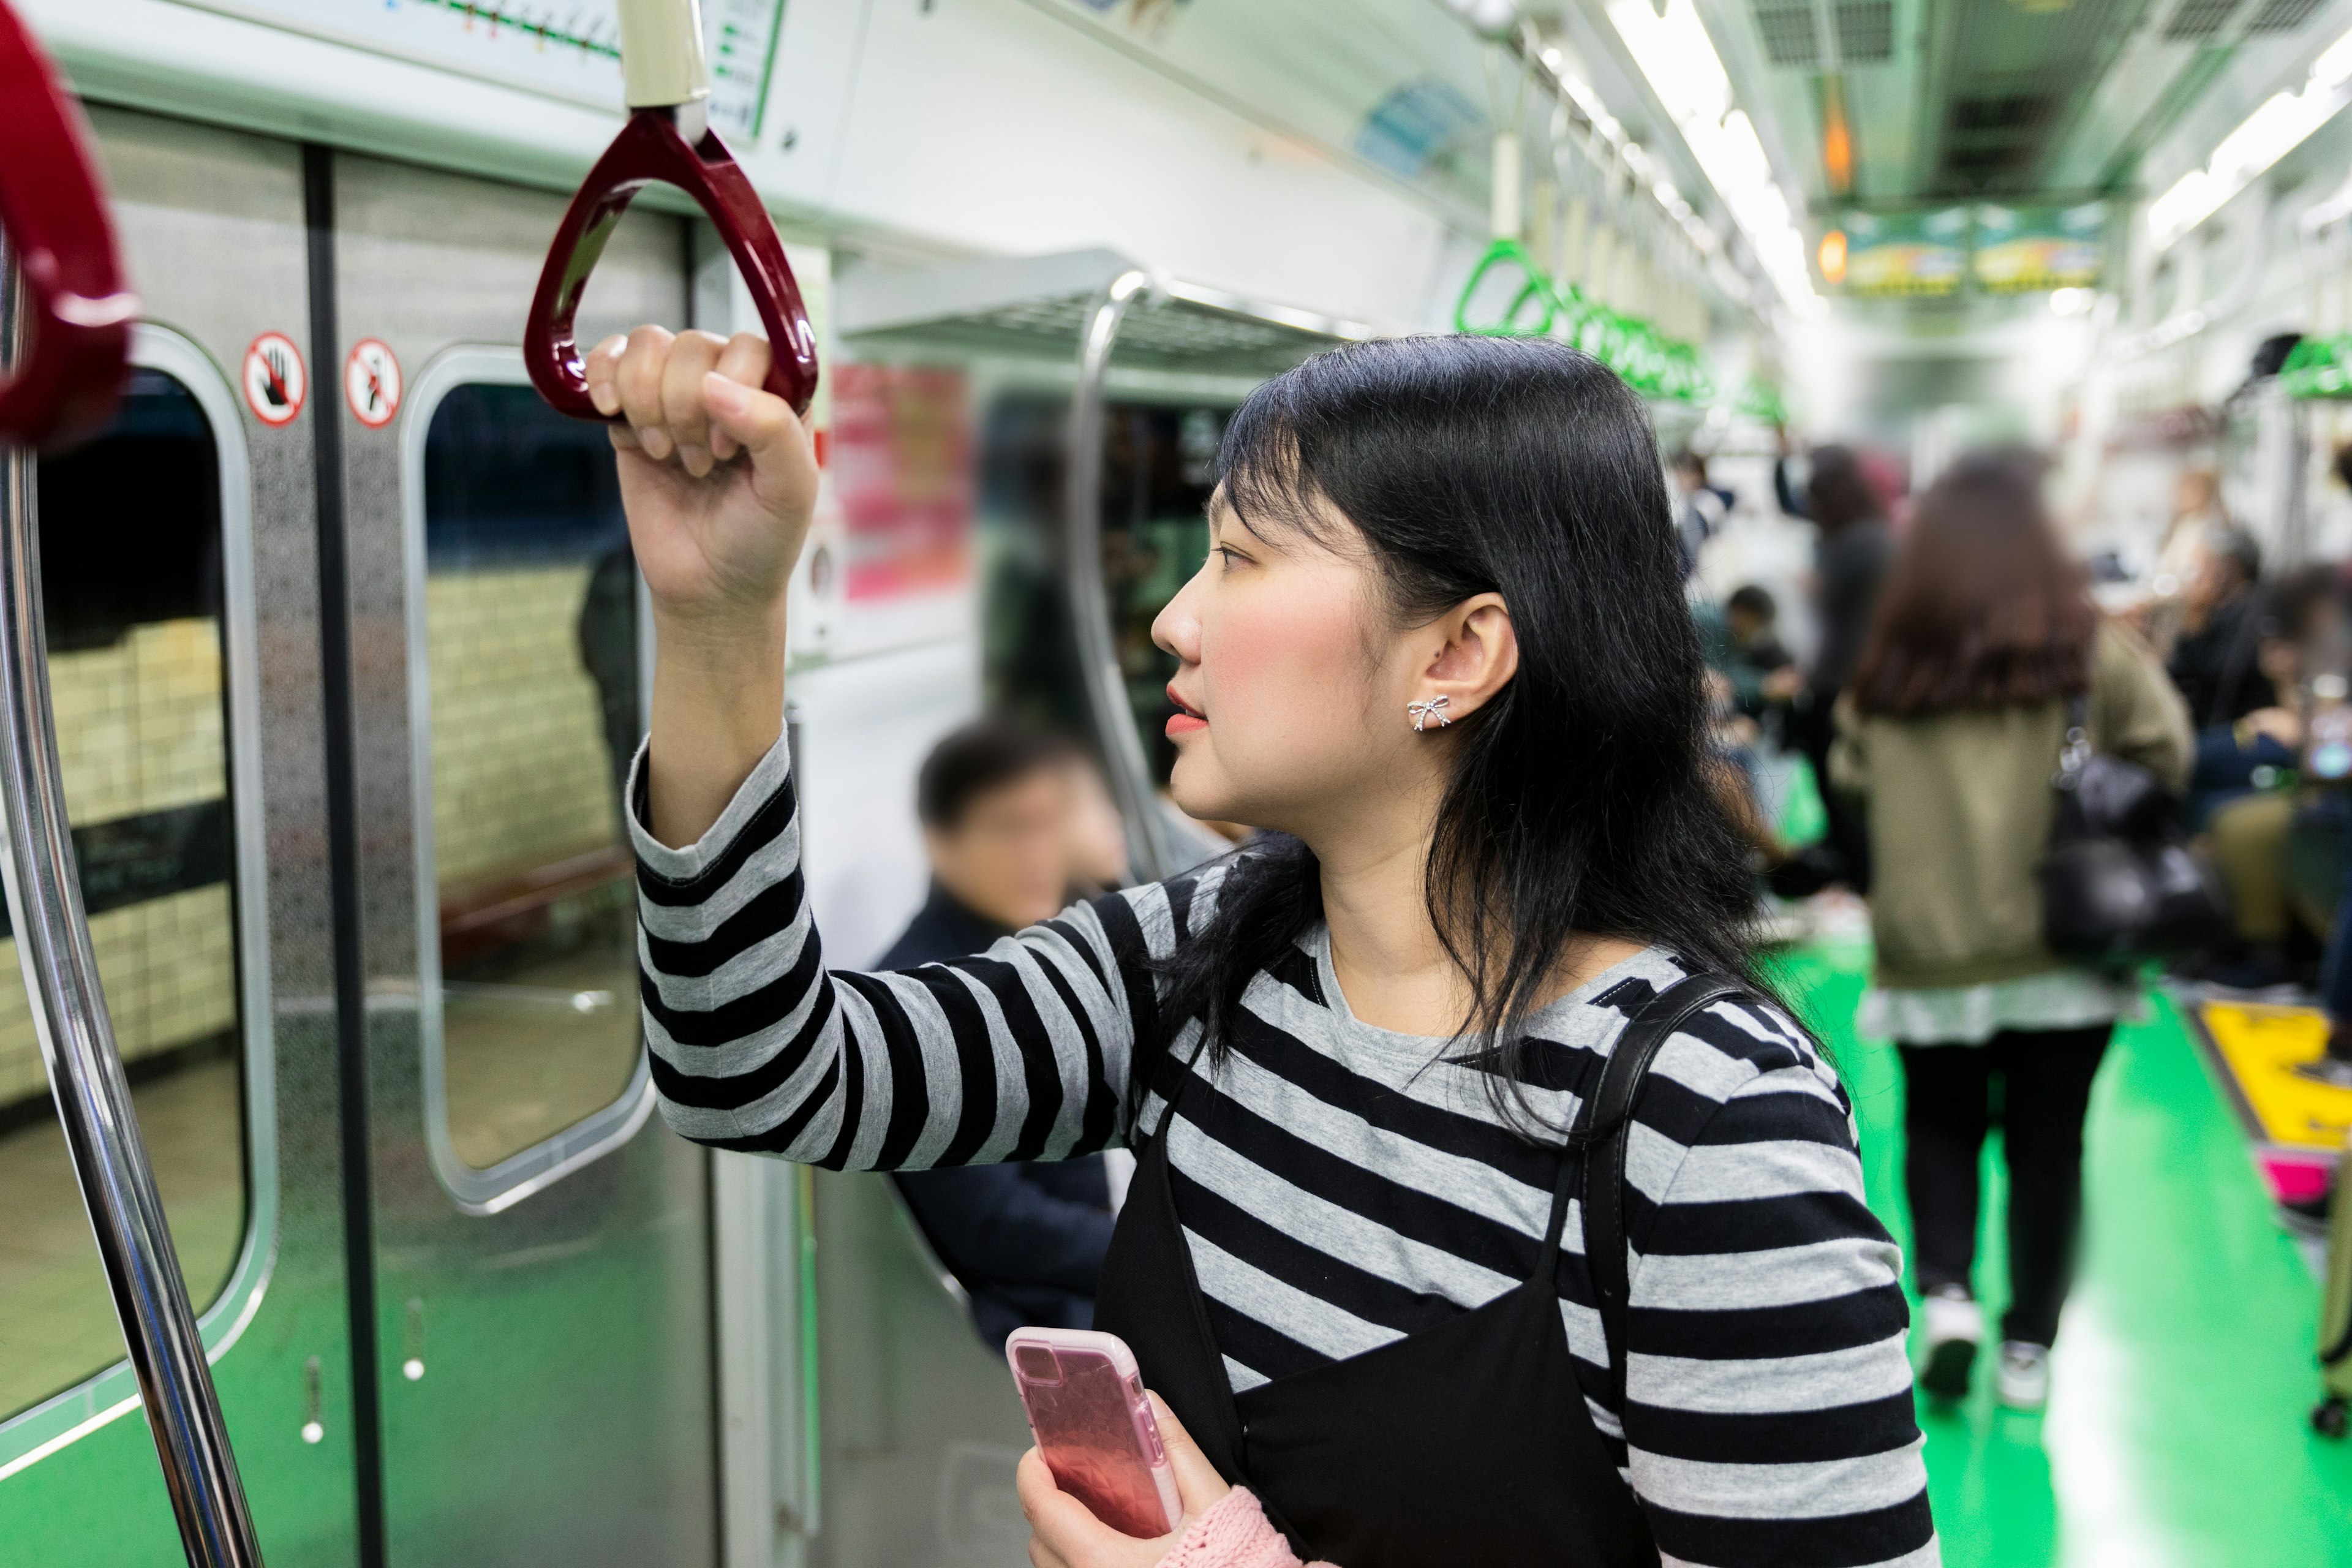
<point x="275" y="382"/>
<point x="372" y="382"/>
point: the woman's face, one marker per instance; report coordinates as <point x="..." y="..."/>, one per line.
<point x="1293" y="686"/>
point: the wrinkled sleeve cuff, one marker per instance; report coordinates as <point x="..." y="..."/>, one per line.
<point x="686" y="863"/>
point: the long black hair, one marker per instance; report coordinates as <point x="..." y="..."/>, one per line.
<point x="1581" y="802"/>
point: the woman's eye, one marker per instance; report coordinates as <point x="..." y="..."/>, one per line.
<point x="1230" y="556"/>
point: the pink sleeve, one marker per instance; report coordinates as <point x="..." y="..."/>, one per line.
<point x="1233" y="1534"/>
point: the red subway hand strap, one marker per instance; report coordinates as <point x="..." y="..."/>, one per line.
<point x="650" y="149"/>
<point x="79" y="312"/>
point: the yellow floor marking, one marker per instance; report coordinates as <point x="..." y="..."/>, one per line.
<point x="2262" y="1046"/>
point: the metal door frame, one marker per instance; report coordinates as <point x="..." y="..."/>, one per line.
<point x="33" y="1434"/>
<point x="517" y="1177"/>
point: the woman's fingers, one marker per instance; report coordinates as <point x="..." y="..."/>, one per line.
<point x="692" y="356"/>
<point x="639" y="382"/>
<point x="1198" y="1484"/>
<point x="1064" y="1533"/>
<point x="783" y="459"/>
<point x="660" y="383"/>
<point x="603" y="369"/>
<point x="1039" y="1496"/>
<point x="746" y="360"/>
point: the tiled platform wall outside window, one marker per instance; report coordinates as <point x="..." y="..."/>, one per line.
<point x="520" y="768"/>
<point x="139" y="731"/>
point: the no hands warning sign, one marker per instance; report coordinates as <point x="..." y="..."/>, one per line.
<point x="275" y="382"/>
<point x="372" y="382"/>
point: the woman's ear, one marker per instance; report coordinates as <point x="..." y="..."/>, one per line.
<point x="1477" y="656"/>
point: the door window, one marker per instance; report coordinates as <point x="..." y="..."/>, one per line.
<point x="530" y="703"/>
<point x="133" y="583"/>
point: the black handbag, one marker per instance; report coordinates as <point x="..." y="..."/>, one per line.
<point x="2119" y="883"/>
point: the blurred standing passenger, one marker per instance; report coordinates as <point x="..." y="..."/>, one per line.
<point x="1849" y="563"/>
<point x="1699" y="508"/>
<point x="1026" y="1239"/>
<point x="1950" y="733"/>
<point x="2195" y="512"/>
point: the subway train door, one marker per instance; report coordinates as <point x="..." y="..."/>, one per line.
<point x="178" y="557"/>
<point x="541" y="1244"/>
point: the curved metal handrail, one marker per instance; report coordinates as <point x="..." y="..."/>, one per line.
<point x="85" y="1066"/>
<point x="1130" y="775"/>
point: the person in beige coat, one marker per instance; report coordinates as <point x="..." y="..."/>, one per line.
<point x="1950" y="734"/>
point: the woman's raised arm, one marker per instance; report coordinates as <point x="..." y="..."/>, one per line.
<point x="1022" y="1053"/>
<point x="719" y="480"/>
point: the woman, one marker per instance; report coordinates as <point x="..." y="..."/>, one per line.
<point x="1439" y="652"/>
<point x="1951" y="732"/>
<point x="1850" y="562"/>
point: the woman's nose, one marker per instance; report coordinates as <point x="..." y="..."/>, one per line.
<point x="1177" y="628"/>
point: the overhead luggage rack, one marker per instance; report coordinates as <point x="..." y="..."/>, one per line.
<point x="1038" y="306"/>
<point x="1100" y="302"/>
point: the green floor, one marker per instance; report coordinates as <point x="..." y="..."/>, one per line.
<point x="2175" y="1436"/>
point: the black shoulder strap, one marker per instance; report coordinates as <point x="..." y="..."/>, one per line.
<point x="1601" y="1133"/>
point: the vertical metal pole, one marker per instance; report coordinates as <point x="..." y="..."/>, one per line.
<point x="1130" y="776"/>
<point x="69" y="1006"/>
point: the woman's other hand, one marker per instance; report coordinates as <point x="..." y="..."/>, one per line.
<point x="715" y="537"/>
<point x="1064" y="1533"/>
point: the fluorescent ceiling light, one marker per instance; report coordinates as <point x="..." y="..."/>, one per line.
<point x="1679" y="60"/>
<point x="2265" y="136"/>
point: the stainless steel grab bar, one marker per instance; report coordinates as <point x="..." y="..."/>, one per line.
<point x="68" y="1008"/>
<point x="1130" y="776"/>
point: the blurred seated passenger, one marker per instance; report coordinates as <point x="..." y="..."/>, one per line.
<point x="2213" y="659"/>
<point x="1950" y="733"/>
<point x="2319" y="842"/>
<point x="2292" y="622"/>
<point x="1763" y="674"/>
<point x="1097" y="835"/>
<point x="1026" y="1239"/>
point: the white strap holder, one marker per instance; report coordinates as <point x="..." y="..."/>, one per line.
<point x="662" y="60"/>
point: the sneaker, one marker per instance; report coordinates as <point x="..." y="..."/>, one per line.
<point x="1955" y="1330"/>
<point x="2023" y="1381"/>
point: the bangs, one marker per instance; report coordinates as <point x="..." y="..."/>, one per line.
<point x="1265" y="473"/>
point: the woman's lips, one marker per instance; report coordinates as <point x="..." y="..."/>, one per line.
<point x="1185" y="720"/>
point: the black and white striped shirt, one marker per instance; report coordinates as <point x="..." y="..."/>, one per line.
<point x="1341" y="1185"/>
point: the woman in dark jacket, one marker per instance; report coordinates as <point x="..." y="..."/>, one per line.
<point x="1850" y="562"/>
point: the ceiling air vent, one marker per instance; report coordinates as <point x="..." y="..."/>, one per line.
<point x="1789" y="33"/>
<point x="2281" y="16"/>
<point x="2197" y="18"/>
<point x="1999" y="111"/>
<point x="1865" y="31"/>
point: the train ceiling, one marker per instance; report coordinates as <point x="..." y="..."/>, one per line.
<point x="1893" y="103"/>
<point x="1878" y="105"/>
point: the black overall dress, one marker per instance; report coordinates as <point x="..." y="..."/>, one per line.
<point x="1460" y="1446"/>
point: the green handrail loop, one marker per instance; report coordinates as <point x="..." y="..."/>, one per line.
<point x="1533" y="286"/>
<point x="1651" y="363"/>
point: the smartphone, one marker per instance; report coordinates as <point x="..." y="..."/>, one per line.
<point x="1094" y="1427"/>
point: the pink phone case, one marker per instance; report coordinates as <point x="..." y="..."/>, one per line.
<point x="1094" y="1427"/>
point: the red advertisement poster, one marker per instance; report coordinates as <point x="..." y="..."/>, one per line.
<point x="901" y="455"/>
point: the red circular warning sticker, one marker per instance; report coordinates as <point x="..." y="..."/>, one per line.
<point x="274" y="381"/>
<point x="372" y="382"/>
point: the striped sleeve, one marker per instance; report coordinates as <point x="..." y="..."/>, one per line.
<point x="1769" y="1414"/>
<point x="1022" y="1053"/>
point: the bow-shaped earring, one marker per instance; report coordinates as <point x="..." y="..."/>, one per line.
<point x="1428" y="708"/>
